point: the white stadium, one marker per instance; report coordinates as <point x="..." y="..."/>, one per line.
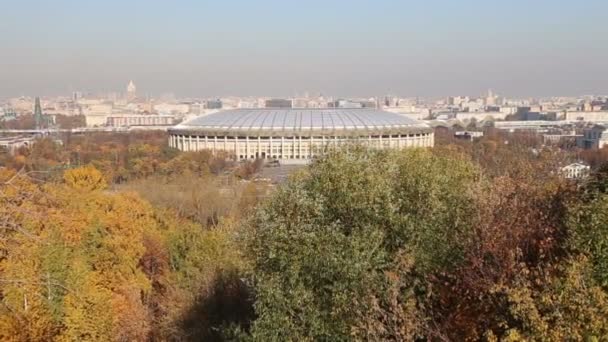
<point x="292" y="134"/>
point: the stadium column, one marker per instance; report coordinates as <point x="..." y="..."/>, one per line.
<point x="310" y="144"/>
<point x="323" y="144"/>
<point x="236" y="147"/>
<point x="198" y="142"/>
<point x="271" y="151"/>
<point x="247" y="147"/>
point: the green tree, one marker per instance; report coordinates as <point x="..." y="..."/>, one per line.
<point x="337" y="248"/>
<point x="589" y="235"/>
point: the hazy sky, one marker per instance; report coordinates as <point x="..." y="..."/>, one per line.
<point x="280" y="47"/>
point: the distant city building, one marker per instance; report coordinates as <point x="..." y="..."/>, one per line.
<point x="346" y="104"/>
<point x="569" y="138"/>
<point x="299" y="102"/>
<point x="539" y="126"/>
<point x="131" y="92"/>
<point x="247" y="104"/>
<point x="575" y="171"/>
<point x="279" y="103"/>
<point x="172" y="108"/>
<point x="214" y="104"/>
<point x="7" y="114"/>
<point x="480" y="116"/>
<point x="140" y="120"/>
<point x="594" y="137"/>
<point x="491" y="99"/>
<point x="456" y="100"/>
<point x="76" y="96"/>
<point x="597" y="116"/>
<point x="593" y="106"/>
<point x="12" y="144"/>
<point x="368" y="104"/>
<point x="468" y="135"/>
<point x="531" y="116"/>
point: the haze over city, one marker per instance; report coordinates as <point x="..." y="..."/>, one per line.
<point x="280" y="48"/>
<point x="388" y="170"/>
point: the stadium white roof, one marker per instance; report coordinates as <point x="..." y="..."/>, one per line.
<point x="300" y="121"/>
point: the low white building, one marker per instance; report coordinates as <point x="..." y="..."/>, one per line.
<point x="411" y="112"/>
<point x="96" y="119"/>
<point x="598" y="116"/>
<point x="96" y="113"/>
<point x="575" y="171"/>
<point x="172" y="108"/>
<point x="140" y="120"/>
<point x="12" y="144"/>
<point x="480" y="116"/>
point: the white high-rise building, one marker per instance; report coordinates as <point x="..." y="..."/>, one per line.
<point x="131" y="91"/>
<point x="491" y="98"/>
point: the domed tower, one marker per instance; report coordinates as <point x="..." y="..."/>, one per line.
<point x="131" y="92"/>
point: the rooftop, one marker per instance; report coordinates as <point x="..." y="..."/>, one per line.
<point x="296" y="120"/>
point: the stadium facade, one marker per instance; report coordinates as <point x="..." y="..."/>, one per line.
<point x="288" y="134"/>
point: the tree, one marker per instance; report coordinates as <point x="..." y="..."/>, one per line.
<point x="589" y="235"/>
<point x="70" y="121"/>
<point x="342" y="247"/>
<point x="77" y="263"/>
<point x="566" y="306"/>
<point x="86" y="178"/>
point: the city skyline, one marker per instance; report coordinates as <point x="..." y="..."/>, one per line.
<point x="274" y="48"/>
<point x="130" y="93"/>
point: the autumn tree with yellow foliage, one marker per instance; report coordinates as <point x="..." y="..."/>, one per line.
<point x="80" y="263"/>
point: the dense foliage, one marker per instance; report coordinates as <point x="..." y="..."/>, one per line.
<point x="83" y="263"/>
<point x="120" y="238"/>
<point x="429" y="245"/>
